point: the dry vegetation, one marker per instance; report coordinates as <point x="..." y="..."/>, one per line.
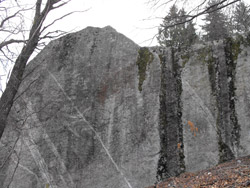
<point x="233" y="174"/>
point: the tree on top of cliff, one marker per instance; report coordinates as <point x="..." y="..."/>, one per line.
<point x="195" y="11"/>
<point x="241" y="18"/>
<point x="179" y="36"/>
<point x="216" y="23"/>
<point x="13" y="31"/>
<point x="199" y="8"/>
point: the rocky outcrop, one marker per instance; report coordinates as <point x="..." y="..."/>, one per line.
<point x="80" y="119"/>
<point x="212" y="95"/>
<point x="96" y="110"/>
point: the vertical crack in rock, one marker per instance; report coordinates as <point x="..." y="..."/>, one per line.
<point x="232" y="49"/>
<point x="221" y="64"/>
<point x="171" y="161"/>
<point x="145" y="58"/>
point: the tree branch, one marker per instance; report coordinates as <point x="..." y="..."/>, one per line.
<point x="64" y="3"/>
<point x="4" y="54"/>
<point x="58" y="19"/>
<point x="7" y="18"/>
<point x="12" y="16"/>
<point x="206" y="11"/>
<point x="17" y="75"/>
<point x="7" y="99"/>
<point x="50" y="35"/>
<point x="11" y="41"/>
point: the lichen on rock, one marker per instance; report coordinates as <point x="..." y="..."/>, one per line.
<point x="171" y="161"/>
<point x="145" y="57"/>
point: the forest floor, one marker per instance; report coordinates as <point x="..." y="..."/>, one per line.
<point x="233" y="174"/>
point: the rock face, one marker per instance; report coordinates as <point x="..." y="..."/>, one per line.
<point x="213" y="98"/>
<point x="96" y="110"/>
<point x="80" y="119"/>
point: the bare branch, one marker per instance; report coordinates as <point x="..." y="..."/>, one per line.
<point x="11" y="60"/>
<point x="14" y="31"/>
<point x="16" y="76"/>
<point x="198" y="7"/>
<point x="150" y="40"/>
<point x="7" y="18"/>
<point x="50" y="35"/>
<point x="8" y="76"/>
<point x="58" y="19"/>
<point x="165" y="3"/>
<point x="64" y="3"/>
<point x="155" y="2"/>
<point x="6" y="43"/>
<point x="12" y="16"/>
<point x="206" y="11"/>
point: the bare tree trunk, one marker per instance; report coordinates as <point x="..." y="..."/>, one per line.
<point x="9" y="94"/>
<point x="7" y="99"/>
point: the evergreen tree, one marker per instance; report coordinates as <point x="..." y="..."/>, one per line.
<point x="174" y="32"/>
<point x="216" y="22"/>
<point x="241" y="18"/>
<point x="188" y="35"/>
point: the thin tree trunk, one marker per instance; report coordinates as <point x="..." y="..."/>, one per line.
<point x="15" y="80"/>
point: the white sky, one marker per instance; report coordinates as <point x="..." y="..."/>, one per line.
<point x="128" y="17"/>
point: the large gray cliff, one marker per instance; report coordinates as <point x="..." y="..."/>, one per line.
<point x="96" y="110"/>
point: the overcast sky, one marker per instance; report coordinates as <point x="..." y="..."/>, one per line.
<point x="129" y="17"/>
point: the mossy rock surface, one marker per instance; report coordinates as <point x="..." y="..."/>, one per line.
<point x="145" y="58"/>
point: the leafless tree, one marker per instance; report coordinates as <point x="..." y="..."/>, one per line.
<point x="12" y="28"/>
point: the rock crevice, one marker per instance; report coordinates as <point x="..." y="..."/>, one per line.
<point x="171" y="161"/>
